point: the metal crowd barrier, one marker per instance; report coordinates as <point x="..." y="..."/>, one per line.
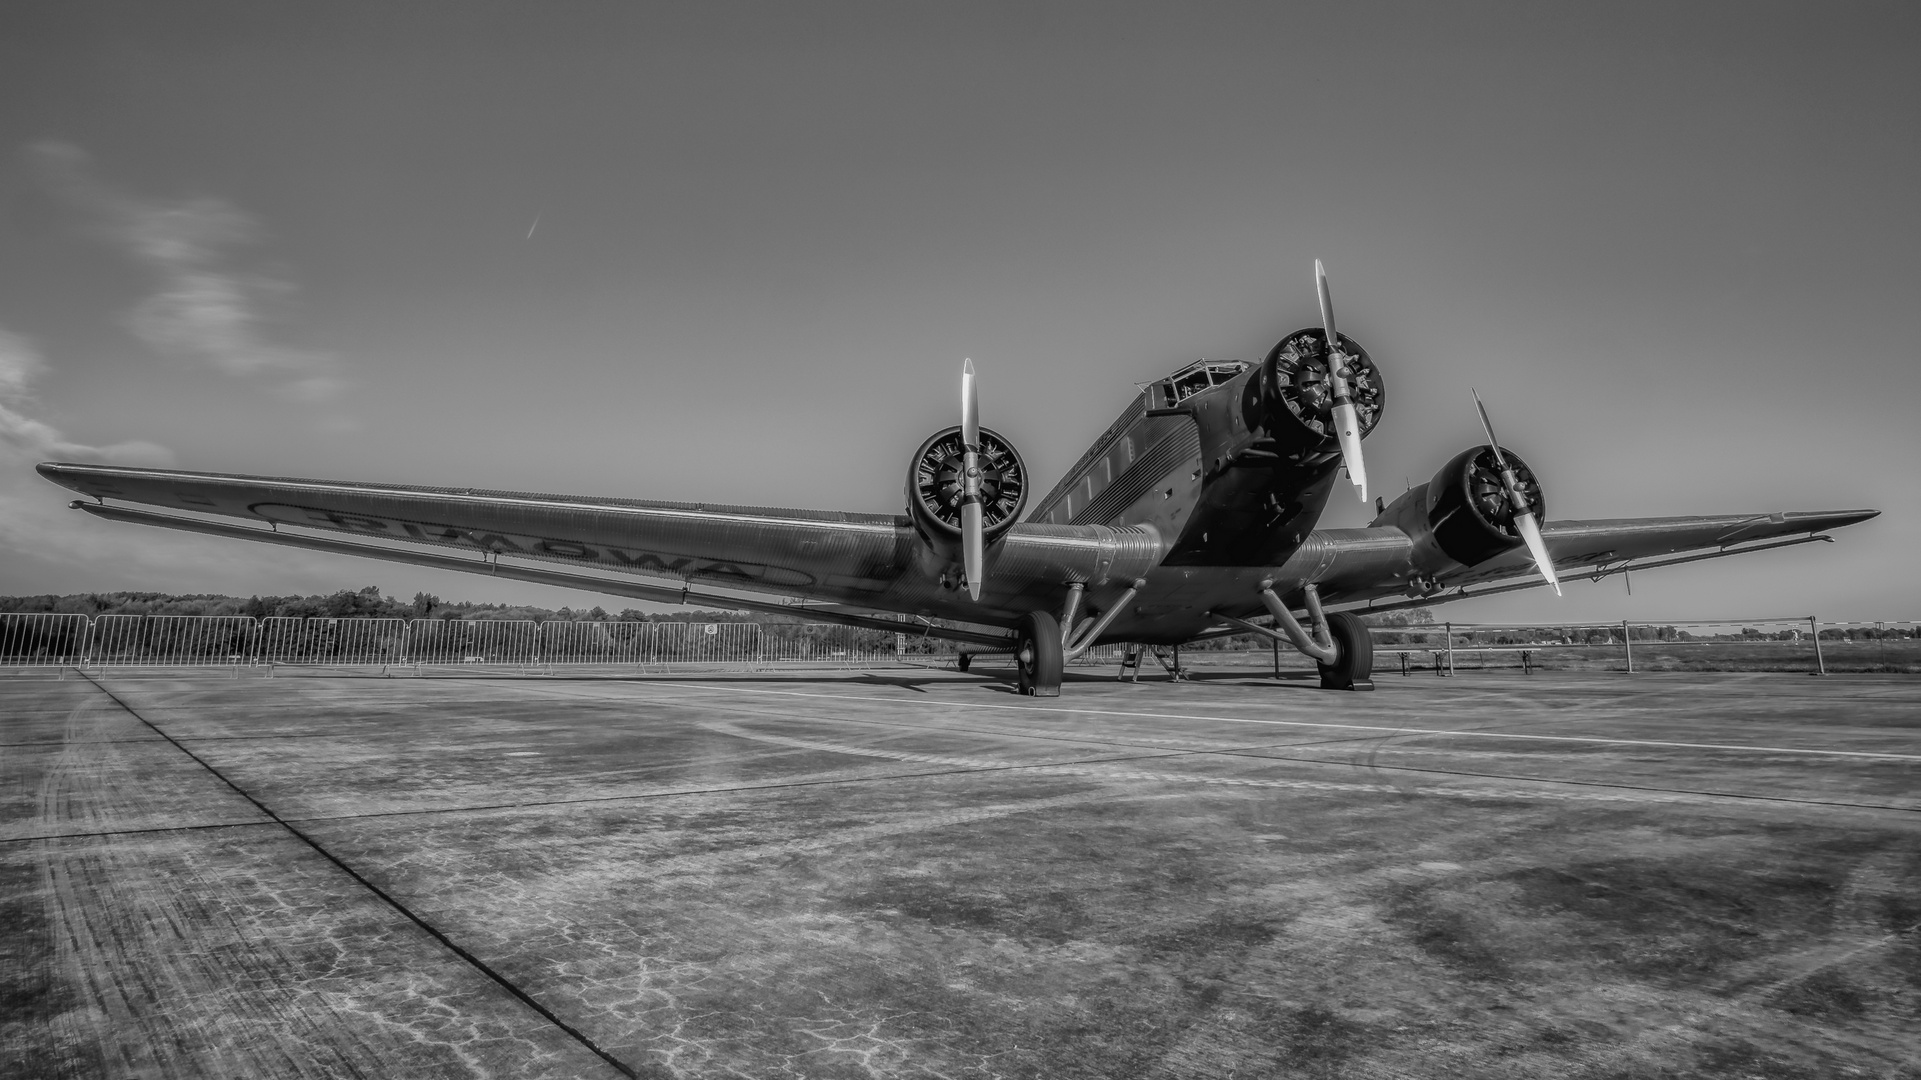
<point x="172" y="640"/>
<point x="331" y="641"/>
<point x="44" y="640"/>
<point x="1771" y="644"/>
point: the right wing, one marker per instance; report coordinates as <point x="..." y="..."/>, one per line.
<point x="1364" y="564"/>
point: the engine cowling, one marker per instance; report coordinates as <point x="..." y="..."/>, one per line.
<point x="1292" y="399"/>
<point x="934" y="487"/>
<point x="1468" y="513"/>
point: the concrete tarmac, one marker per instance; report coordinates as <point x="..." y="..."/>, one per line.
<point x="922" y="874"/>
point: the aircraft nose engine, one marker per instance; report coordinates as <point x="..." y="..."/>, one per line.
<point x="1295" y="398"/>
<point x="937" y="488"/>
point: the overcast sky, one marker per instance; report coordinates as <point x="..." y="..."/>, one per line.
<point x="737" y="252"/>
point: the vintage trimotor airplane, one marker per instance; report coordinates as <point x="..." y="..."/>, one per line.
<point x="1191" y="517"/>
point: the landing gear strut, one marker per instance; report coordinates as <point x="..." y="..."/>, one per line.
<point x="1038" y="656"/>
<point x="1340" y="645"/>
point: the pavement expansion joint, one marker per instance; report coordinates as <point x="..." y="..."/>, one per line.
<point x="435" y="932"/>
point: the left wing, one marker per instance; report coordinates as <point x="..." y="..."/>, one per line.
<point x="854" y="564"/>
<point x="822" y="554"/>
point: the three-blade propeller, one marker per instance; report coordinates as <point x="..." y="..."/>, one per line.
<point x="1347" y="422"/>
<point x="1523" y="514"/>
<point x="973" y="544"/>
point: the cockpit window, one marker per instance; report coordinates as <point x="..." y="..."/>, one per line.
<point x="1199" y="376"/>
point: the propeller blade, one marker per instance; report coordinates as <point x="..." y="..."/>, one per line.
<point x="973" y="549"/>
<point x="1347" y="421"/>
<point x="1500" y="459"/>
<point x="1524" y="521"/>
<point x="1327" y="302"/>
<point x="970" y="407"/>
<point x="973" y="543"/>
<point x="1537" y="547"/>
<point x="1347" y="425"/>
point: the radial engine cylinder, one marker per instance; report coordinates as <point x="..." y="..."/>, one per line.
<point x="1291" y="397"/>
<point x="935" y="483"/>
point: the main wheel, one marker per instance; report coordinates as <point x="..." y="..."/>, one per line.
<point x="1353" y="666"/>
<point x="964" y="660"/>
<point x="1038" y="656"/>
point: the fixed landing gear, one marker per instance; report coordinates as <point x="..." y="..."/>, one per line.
<point x="1340" y="644"/>
<point x="964" y="661"/>
<point x="1037" y="658"/>
<point x="1353" y="665"/>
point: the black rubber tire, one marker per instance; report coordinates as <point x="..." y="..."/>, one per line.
<point x="1353" y="667"/>
<point x="964" y="661"/>
<point x="1037" y="658"/>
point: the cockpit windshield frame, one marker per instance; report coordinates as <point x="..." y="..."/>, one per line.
<point x="1199" y="376"/>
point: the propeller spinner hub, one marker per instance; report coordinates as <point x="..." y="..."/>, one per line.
<point x="1490" y="496"/>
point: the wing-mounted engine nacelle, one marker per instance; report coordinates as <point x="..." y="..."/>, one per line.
<point x="936" y="484"/>
<point x="1292" y="398"/>
<point x="1463" y="516"/>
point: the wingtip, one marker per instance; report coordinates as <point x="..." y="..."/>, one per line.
<point x="967" y="366"/>
<point x="1835" y="519"/>
<point x="60" y="472"/>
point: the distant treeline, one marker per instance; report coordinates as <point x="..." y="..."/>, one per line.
<point x="367" y="603"/>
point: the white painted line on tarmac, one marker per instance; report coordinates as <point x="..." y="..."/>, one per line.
<point x="1400" y="732"/>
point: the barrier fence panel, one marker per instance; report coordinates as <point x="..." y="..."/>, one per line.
<point x="1888" y="646"/>
<point x="1099" y="656"/>
<point x="595" y="642"/>
<point x="40" y="639"/>
<point x="43" y="639"/>
<point x="915" y="646"/>
<point x="705" y="643"/>
<point x="826" y="643"/>
<point x="172" y="640"/>
<point x="332" y="641"/>
<point x="1777" y="644"/>
<point x="473" y="641"/>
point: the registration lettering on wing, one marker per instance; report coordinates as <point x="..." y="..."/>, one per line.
<point x="506" y="543"/>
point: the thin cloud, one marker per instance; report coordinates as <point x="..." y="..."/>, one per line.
<point x="38" y="531"/>
<point x="206" y="308"/>
<point x="33" y="518"/>
<point x="22" y="436"/>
